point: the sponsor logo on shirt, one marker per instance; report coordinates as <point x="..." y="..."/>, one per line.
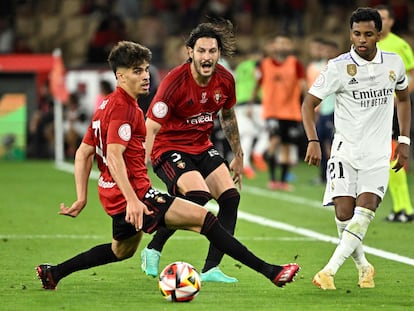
<point x="381" y="188"/>
<point x="353" y="81"/>
<point x="201" y="118"/>
<point x="373" y="98"/>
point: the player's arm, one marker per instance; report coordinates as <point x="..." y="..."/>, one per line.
<point x="83" y="166"/>
<point x="230" y="128"/>
<point x="313" y="152"/>
<point x="402" y="152"/>
<point x="152" y="129"/>
<point x="117" y="167"/>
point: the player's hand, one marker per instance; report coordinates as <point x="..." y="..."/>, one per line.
<point x="135" y="213"/>
<point x="236" y="167"/>
<point x="313" y="154"/>
<point x="72" y="211"/>
<point x="401" y="156"/>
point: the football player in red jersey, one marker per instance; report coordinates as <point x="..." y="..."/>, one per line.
<point x="179" y="122"/>
<point x="116" y="138"/>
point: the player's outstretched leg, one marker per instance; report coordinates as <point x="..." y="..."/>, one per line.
<point x="150" y="259"/>
<point x="44" y="273"/>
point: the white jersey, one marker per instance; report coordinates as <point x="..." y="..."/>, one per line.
<point x="364" y="105"/>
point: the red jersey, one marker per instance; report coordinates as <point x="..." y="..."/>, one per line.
<point x="187" y="111"/>
<point x="119" y="120"/>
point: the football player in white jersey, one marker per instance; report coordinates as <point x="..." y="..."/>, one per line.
<point x="364" y="81"/>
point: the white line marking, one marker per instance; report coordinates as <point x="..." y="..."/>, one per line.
<point x="280" y="225"/>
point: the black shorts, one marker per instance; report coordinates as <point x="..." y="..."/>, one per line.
<point x="288" y="131"/>
<point x="171" y="165"/>
<point x="157" y="202"/>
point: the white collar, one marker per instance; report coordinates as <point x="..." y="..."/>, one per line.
<point x="361" y="61"/>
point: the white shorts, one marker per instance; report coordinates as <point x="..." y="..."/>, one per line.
<point x="344" y="180"/>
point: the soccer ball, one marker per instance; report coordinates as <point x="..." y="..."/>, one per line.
<point x="179" y="282"/>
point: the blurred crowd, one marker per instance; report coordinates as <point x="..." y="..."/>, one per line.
<point x="85" y="30"/>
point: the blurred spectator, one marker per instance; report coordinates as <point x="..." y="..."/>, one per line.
<point x="129" y="8"/>
<point x="282" y="81"/>
<point x="75" y="123"/>
<point x="110" y="31"/>
<point x="6" y="35"/>
<point x="292" y="15"/>
<point x="41" y="128"/>
<point x="105" y="88"/>
<point x="252" y="128"/>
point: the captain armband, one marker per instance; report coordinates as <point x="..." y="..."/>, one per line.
<point x="404" y="140"/>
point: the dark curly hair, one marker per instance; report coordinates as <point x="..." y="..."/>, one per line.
<point x="221" y="29"/>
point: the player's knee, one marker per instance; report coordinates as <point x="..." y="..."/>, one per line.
<point x="229" y="199"/>
<point x="198" y="196"/>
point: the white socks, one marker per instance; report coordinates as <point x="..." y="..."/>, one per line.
<point x="351" y="234"/>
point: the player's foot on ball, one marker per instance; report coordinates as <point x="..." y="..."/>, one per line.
<point x="150" y="259"/>
<point x="287" y="274"/>
<point x="216" y="275"/>
<point x="44" y="273"/>
<point x="324" y="280"/>
<point x="366" y="277"/>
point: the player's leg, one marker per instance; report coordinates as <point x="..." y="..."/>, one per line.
<point x="182" y="178"/>
<point x="358" y="218"/>
<point x="402" y="210"/>
<point x="183" y="214"/>
<point x="176" y="170"/>
<point x="124" y="244"/>
<point x="262" y="139"/>
<point x="247" y="133"/>
<point x="222" y="188"/>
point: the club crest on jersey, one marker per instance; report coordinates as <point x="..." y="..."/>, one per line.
<point x="392" y="76"/>
<point x="351" y="69"/>
<point x="217" y="96"/>
<point x="181" y="165"/>
<point x="204" y="98"/>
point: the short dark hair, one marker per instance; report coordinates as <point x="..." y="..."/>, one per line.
<point x="221" y="29"/>
<point x="366" y="15"/>
<point x="128" y="54"/>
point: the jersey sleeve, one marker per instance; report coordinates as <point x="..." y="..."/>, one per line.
<point x="159" y="109"/>
<point x="327" y="82"/>
<point x="231" y="100"/>
<point x="402" y="79"/>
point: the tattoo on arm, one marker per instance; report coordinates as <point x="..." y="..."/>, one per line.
<point x="230" y="128"/>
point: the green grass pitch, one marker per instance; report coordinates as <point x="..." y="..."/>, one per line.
<point x="279" y="227"/>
